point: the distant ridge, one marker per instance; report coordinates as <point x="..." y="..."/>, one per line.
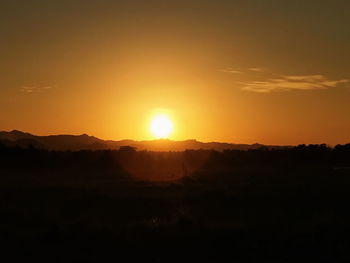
<point x="86" y="142"/>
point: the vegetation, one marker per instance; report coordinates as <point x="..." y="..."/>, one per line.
<point x="265" y="205"/>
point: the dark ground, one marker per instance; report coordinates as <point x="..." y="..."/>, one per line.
<point x="237" y="206"/>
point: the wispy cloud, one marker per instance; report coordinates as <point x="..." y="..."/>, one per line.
<point x="33" y="89"/>
<point x="257" y="69"/>
<point x="243" y="71"/>
<point x="286" y="83"/>
<point x="231" y="70"/>
<point x="262" y="80"/>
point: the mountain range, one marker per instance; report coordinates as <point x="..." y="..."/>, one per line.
<point x="86" y="142"/>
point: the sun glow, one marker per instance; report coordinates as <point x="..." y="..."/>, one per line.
<point x="161" y="126"/>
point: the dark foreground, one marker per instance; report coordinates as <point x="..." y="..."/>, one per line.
<point x="107" y="206"/>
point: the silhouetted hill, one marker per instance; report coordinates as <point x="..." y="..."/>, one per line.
<point x="166" y="145"/>
<point x="53" y="142"/>
<point x="15" y="135"/>
<point x="86" y="142"/>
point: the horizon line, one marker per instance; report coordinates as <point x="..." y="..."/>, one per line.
<point x="168" y="139"/>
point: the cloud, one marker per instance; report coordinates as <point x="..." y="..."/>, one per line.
<point x="257" y="69"/>
<point x="287" y="83"/>
<point x="33" y="89"/>
<point x="231" y="70"/>
<point x="270" y="82"/>
<point x="243" y="71"/>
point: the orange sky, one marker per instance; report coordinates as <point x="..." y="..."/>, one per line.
<point x="243" y="72"/>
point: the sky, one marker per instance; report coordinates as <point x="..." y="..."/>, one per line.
<point x="245" y="71"/>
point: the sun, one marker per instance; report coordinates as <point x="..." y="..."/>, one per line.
<point x="161" y="126"/>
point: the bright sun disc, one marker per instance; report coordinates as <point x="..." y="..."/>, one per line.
<point x="161" y="126"/>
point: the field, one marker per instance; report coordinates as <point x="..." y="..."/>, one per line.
<point x="261" y="205"/>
